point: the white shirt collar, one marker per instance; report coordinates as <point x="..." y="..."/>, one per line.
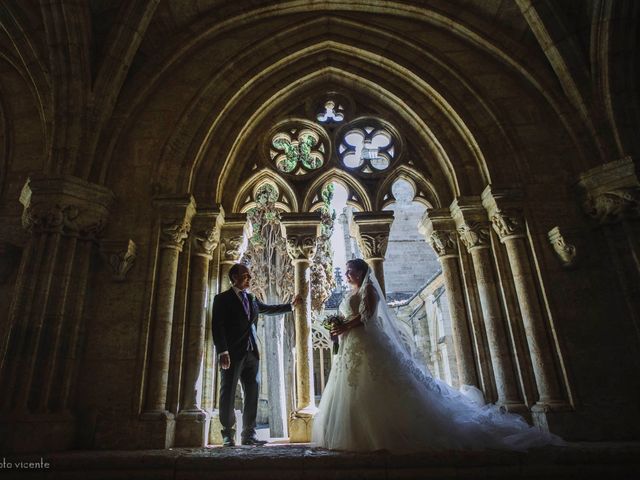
<point x="238" y="291"/>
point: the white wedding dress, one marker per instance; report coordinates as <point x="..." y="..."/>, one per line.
<point x="378" y="397"/>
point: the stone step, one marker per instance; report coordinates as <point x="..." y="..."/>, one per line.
<point x="611" y="461"/>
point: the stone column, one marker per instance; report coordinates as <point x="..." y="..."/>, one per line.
<point x="64" y="215"/>
<point x="174" y="214"/>
<point x="231" y="236"/>
<point x="301" y="231"/>
<point x="508" y="221"/>
<point x="373" y="238"/>
<point x="474" y="229"/>
<point x="439" y="230"/>
<point x="192" y="425"/>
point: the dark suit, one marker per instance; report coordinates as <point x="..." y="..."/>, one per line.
<point x="232" y="330"/>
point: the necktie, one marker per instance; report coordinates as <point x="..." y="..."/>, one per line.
<point x="252" y="338"/>
<point x="245" y="302"/>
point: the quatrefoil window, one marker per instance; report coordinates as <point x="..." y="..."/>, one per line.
<point x="332" y="113"/>
<point x="369" y="148"/>
<point x="297" y="148"/>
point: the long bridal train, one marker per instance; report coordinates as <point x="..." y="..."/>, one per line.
<point x="378" y="397"/>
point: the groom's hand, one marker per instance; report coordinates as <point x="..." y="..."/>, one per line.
<point x="225" y="361"/>
<point x="296" y="301"/>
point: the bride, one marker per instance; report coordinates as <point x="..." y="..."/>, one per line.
<point x="378" y="397"/>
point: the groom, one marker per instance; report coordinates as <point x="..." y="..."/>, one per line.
<point x="235" y="315"/>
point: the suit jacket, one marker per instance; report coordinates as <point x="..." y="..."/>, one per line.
<point x="230" y="324"/>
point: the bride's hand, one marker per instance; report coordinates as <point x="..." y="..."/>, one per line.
<point x="339" y="329"/>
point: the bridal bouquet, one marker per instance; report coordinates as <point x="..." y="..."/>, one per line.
<point x="332" y="321"/>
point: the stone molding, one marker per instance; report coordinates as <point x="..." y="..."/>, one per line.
<point x="612" y="191"/>
<point x="566" y="253"/>
<point x="120" y="256"/>
<point x="372" y="233"/>
<point x="65" y="205"/>
<point x="205" y="233"/>
<point x="301" y="231"/>
<point x="175" y="214"/>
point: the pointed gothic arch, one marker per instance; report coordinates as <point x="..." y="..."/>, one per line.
<point x="287" y="200"/>
<point x="358" y="197"/>
<point x="425" y="192"/>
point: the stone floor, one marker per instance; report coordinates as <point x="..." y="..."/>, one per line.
<point x="610" y="461"/>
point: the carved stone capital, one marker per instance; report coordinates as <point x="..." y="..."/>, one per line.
<point x="65" y="205"/>
<point x="475" y="235"/>
<point x="614" y="205"/>
<point x="175" y="214"/>
<point x="471" y="222"/>
<point x="373" y="246"/>
<point x="443" y="243"/>
<point x="120" y="256"/>
<point x="301" y="231"/>
<point x="231" y="236"/>
<point x="504" y="207"/>
<point x="508" y="224"/>
<point x="566" y="252"/>
<point x="612" y="191"/>
<point x="301" y="247"/>
<point x="439" y="231"/>
<point x="205" y="231"/>
<point x="372" y="230"/>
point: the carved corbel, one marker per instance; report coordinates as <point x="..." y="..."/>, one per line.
<point x="120" y="256"/>
<point x="567" y="253"/>
<point x="612" y="191"/>
<point x="613" y="205"/>
<point x="65" y="205"/>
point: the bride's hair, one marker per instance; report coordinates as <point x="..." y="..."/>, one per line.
<point x="359" y="264"/>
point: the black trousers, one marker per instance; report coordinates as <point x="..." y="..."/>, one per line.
<point x="247" y="370"/>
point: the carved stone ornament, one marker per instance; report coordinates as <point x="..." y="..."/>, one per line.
<point x="474" y="235"/>
<point x="173" y="233"/>
<point x="443" y="242"/>
<point x="614" y="205"/>
<point x="373" y="246"/>
<point x="507" y="224"/>
<point x="301" y="247"/>
<point x="205" y="242"/>
<point x="65" y="205"/>
<point x="231" y="248"/>
<point x="63" y="219"/>
<point x="566" y="252"/>
<point x="120" y="257"/>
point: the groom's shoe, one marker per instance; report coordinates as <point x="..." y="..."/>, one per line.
<point x="228" y="438"/>
<point x="253" y="441"/>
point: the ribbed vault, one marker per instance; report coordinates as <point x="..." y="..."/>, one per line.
<point x="464" y="136"/>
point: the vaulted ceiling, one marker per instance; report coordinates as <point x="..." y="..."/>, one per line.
<point x="180" y="93"/>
